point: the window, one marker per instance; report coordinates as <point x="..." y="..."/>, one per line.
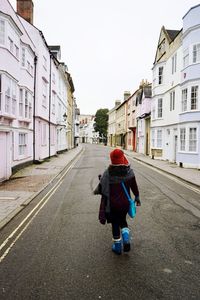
<point x="172" y="100"/>
<point x="185" y="57"/>
<point x="174" y="59"/>
<point x="21" y="103"/>
<point x="160" y="75"/>
<point x="196" y="53"/>
<point x="14" y="98"/>
<point x="11" y="45"/>
<point x="30" y="106"/>
<point x="16" y="51"/>
<point x="8" y="96"/>
<point x="192" y="139"/>
<point x="44" y="134"/>
<point x="22" y="143"/>
<point x="44" y="93"/>
<point x="161" y="48"/>
<point x="184" y="100"/>
<point x="182" y="139"/>
<point x="44" y="62"/>
<point x="160" y="107"/>
<point x="2" y="32"/>
<point x="53" y="103"/>
<point x="53" y="78"/>
<point x="153" y="112"/>
<point x="28" y="66"/>
<point x="23" y="57"/>
<point x="159" y="138"/>
<point x="194" y="97"/>
<point x="26" y="104"/>
<point x="153" y="138"/>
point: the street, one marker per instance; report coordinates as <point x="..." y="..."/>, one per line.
<point x="57" y="249"/>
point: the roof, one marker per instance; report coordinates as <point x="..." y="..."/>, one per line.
<point x="172" y="34"/>
<point x="190" y="10"/>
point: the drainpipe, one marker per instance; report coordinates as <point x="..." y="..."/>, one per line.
<point x="50" y="108"/>
<point x="34" y="105"/>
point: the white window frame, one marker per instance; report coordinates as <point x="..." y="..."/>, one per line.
<point x="153" y="138"/>
<point x="192" y="139"/>
<point x="23" y="57"/>
<point x="22" y="143"/>
<point x="185" y="57"/>
<point x="26" y="96"/>
<point x="182" y="139"/>
<point x="184" y="100"/>
<point x="160" y="75"/>
<point x="159" y="138"/>
<point x="21" y="103"/>
<point x="174" y="63"/>
<point x="172" y="100"/>
<point x="196" y="53"/>
<point x="14" y="98"/>
<point x="160" y="108"/>
<point x="2" y="32"/>
<point x="194" y="97"/>
<point x="8" y="96"/>
<point x="44" y="93"/>
<point x="44" y="134"/>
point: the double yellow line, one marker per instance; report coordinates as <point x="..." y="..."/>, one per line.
<point x="33" y="213"/>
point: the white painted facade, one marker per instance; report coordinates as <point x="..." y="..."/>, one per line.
<point x="165" y="104"/>
<point x="189" y="116"/>
<point x="16" y="92"/>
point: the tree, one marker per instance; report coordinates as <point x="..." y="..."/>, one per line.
<point x="101" y="122"/>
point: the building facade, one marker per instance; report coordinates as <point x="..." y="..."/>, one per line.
<point x="189" y="116"/>
<point x="36" y="92"/>
<point x="165" y="104"/>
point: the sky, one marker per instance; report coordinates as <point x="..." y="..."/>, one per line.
<point x="109" y="46"/>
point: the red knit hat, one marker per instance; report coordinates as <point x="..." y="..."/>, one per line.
<point x="118" y="158"/>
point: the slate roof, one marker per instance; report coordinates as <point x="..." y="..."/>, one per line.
<point x="172" y="33"/>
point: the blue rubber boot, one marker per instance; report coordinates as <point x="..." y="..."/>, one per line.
<point x="117" y="246"/>
<point x="126" y="239"/>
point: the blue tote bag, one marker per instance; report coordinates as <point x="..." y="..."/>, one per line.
<point x="132" y="205"/>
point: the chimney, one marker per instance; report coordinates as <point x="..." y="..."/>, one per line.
<point x="126" y="95"/>
<point x="117" y="103"/>
<point x="25" y="9"/>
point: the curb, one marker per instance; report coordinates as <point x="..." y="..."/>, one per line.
<point x="164" y="171"/>
<point x="17" y="210"/>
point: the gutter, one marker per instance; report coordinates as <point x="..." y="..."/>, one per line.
<point x="50" y="107"/>
<point x="34" y="105"/>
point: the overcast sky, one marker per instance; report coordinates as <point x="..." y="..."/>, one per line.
<point x="108" y="45"/>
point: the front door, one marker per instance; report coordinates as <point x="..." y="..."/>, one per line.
<point x="4" y="156"/>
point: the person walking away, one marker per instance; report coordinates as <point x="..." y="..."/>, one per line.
<point x="114" y="202"/>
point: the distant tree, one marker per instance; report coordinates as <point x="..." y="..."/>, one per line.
<point x="101" y="122"/>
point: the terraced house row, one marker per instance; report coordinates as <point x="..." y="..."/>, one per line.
<point x="162" y="119"/>
<point x="38" y="112"/>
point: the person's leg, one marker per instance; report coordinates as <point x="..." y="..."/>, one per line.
<point x="117" y="245"/>
<point x="125" y="233"/>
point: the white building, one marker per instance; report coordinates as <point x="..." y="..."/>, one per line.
<point x="189" y="116"/>
<point x="112" y="124"/>
<point x="87" y="133"/>
<point x="165" y="104"/>
<point x="17" y="53"/>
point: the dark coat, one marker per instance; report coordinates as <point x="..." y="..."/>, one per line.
<point x="114" y="200"/>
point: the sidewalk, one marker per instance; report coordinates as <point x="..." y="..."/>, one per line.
<point x="28" y="182"/>
<point x="191" y="176"/>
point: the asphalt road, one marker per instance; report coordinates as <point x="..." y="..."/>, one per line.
<point x="61" y="251"/>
